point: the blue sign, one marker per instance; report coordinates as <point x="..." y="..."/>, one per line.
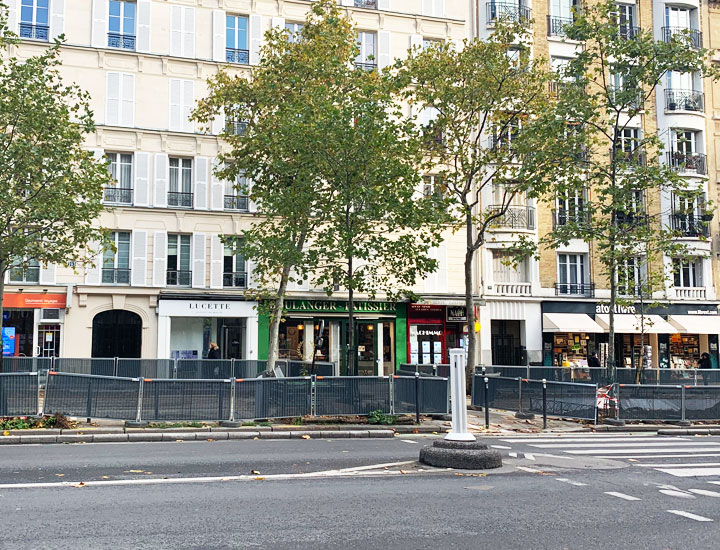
<point x="8" y="340"/>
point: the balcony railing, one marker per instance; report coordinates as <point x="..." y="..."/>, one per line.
<point x="694" y="163"/>
<point x="180" y="199"/>
<point x="34" y="32"/>
<point x="636" y="157"/>
<point x="691" y="225"/>
<point x="558" y="87"/>
<point x="627" y="98"/>
<point x="508" y="10"/>
<point x="628" y="32"/>
<point x="512" y="289"/>
<point x="556" y="25"/>
<point x="366" y="66"/>
<point x="237" y="279"/>
<point x="565" y="217"/>
<point x="118" y="195"/>
<point x="694" y="36"/>
<point x="631" y="219"/>
<point x="179" y="278"/>
<point x="684" y="100"/>
<point x="367" y="4"/>
<point x="233" y="55"/>
<point x="575" y="289"/>
<point x="236" y="127"/>
<point x="690" y="293"/>
<point x="236" y="202"/>
<point x="121" y="41"/>
<point x="20" y="274"/>
<point x="515" y="217"/>
<point x="119" y="276"/>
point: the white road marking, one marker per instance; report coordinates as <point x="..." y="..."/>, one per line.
<point x="645" y="457"/>
<point x="690" y="472"/>
<point x="630" y="445"/>
<point x="529" y="456"/>
<point x="526" y="469"/>
<point x="590" y="439"/>
<point x="571" y="482"/>
<point x="705" y="493"/>
<point x="513" y="455"/>
<point x="555" y="456"/>
<point x="689" y="515"/>
<point x="679" y="494"/>
<point x="688" y="465"/>
<point x="643" y="451"/>
<point x="500" y="447"/>
<point x="408" y="441"/>
<point x="621" y="495"/>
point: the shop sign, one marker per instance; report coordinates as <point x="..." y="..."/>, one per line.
<point x="8" y="340"/>
<point x="426" y="308"/>
<point x="456" y="314"/>
<point x="337" y="306"/>
<point x="206" y="308"/>
<point x="605" y="308"/>
<point x="27" y="300"/>
<point x="702" y="312"/>
<point x="426" y="332"/>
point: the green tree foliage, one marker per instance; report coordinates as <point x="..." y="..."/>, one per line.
<point x="613" y="199"/>
<point x="334" y="167"/>
<point x="50" y="187"/>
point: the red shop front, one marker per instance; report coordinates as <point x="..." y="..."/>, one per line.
<point x="432" y="330"/>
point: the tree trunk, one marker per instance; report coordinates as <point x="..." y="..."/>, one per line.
<point x="351" y="354"/>
<point x="611" y="317"/>
<point x="3" y="268"/>
<point x="469" y="306"/>
<point x="275" y="319"/>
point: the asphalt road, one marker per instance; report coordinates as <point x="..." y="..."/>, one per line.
<point x="116" y="496"/>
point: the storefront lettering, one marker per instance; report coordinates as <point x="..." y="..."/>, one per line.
<point x="429" y="333"/>
<point x="605" y="308"/>
<point x="456" y="313"/>
<point x="334" y="306"/>
<point x="702" y="312"/>
<point x="208" y="306"/>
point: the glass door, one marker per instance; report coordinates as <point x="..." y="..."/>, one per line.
<point x="366" y="348"/>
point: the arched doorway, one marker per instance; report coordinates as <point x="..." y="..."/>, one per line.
<point x="117" y="333"/>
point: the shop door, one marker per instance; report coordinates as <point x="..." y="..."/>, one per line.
<point x="49" y="336"/>
<point x="366" y="349"/>
<point x="231" y="340"/>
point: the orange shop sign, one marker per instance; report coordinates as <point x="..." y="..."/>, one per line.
<point x="27" y="300"/>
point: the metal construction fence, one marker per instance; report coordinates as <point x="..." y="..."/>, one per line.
<point x="668" y="403"/>
<point x="565" y="399"/>
<point x="435" y="369"/>
<point x="19" y="394"/>
<point x="96" y="396"/>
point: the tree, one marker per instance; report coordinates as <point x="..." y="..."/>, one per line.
<point x="50" y="187"/>
<point x="605" y="91"/>
<point x="496" y="138"/>
<point x="333" y="166"/>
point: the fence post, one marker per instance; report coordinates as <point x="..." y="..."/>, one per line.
<point x="174" y="372"/>
<point x="232" y="395"/>
<point x="417" y="397"/>
<point x="544" y="403"/>
<point x="391" y="389"/>
<point x="138" y="413"/>
<point x="683" y="422"/>
<point x="485" y="403"/>
<point x="527" y="372"/>
<point x="115" y="367"/>
<point x="40" y="403"/>
<point x="89" y="399"/>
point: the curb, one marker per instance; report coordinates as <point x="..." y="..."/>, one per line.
<point x="690" y="431"/>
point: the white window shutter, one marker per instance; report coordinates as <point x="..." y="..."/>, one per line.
<point x="219" y="19"/>
<point x="141" y="193"/>
<point x="217" y="190"/>
<point x="256" y="35"/>
<point x="99" y="23"/>
<point x="139" y="258"/>
<point x="160" y="182"/>
<point x="188" y="103"/>
<point x="144" y="25"/>
<point x="176" y="108"/>
<point x="12" y="15"/>
<point x="384" y="58"/>
<point x="383" y="5"/>
<point x="439" y="8"/>
<point x="250" y="267"/>
<point x="278" y="23"/>
<point x="160" y="258"/>
<point x="57" y="18"/>
<point x="252" y="207"/>
<point x="201" y="183"/>
<point x="430" y="283"/>
<point x="47" y="274"/>
<point x="112" y="99"/>
<point x="188" y="38"/>
<point x="94" y="261"/>
<point x="217" y="250"/>
<point x="198" y="263"/>
<point x="416" y="41"/>
<point x="218" y="124"/>
<point x="441" y="275"/>
<point x="127" y="104"/>
<point x="428" y="8"/>
<point x="176" y="20"/>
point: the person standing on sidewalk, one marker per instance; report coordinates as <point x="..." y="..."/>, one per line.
<point x="214" y="352"/>
<point x="705" y="363"/>
<point x="594" y="361"/>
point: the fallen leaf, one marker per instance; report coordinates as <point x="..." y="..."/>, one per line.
<point x="178" y="441"/>
<point x="148" y="473"/>
<point x="60" y="475"/>
<point x="211" y="440"/>
<point x="459" y="474"/>
<point x="403" y="472"/>
<point x="305" y="436"/>
<point x="631" y="460"/>
<point x="81" y="484"/>
<point x="259" y="479"/>
<point x="256" y="438"/>
<point x="254" y="472"/>
<point x="134" y="471"/>
<point x="6" y="433"/>
<point x="106" y="477"/>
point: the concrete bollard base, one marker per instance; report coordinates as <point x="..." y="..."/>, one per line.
<point x="230" y="423"/>
<point x="463" y="455"/>
<point x="614" y="422"/>
<point x="135" y="424"/>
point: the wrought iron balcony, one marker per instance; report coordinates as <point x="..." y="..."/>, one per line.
<point x="694" y="163"/>
<point x="693" y="36"/>
<point x="118" y="195"/>
<point x="556" y="25"/>
<point x="121" y="41"/>
<point x="236" y="127"/>
<point x="21" y="274"/>
<point x="367" y="4"/>
<point x="558" y="87"/>
<point x="684" y="100"/>
<point x="179" y="277"/>
<point x="631" y="219"/>
<point x="515" y="217"/>
<point x="575" y="289"/>
<point x="367" y="66"/>
<point x="115" y="276"/>
<point x="691" y="225"/>
<point x="180" y="199"/>
<point x="627" y="98"/>
<point x="508" y="10"/>
<point x="635" y="157"/>
<point x="237" y="279"/>
<point x="628" y="32"/>
<point x="236" y="202"/>
<point x="233" y="55"/>
<point x="34" y="32"/>
<point x="577" y="216"/>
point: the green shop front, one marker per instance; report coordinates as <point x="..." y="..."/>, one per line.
<point x="320" y="327"/>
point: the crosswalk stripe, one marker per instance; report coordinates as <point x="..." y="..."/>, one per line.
<point x="688" y="465"/>
<point x="587" y="439"/>
<point x="641" y="451"/>
<point x="604" y="445"/>
<point x="689" y="515"/>
<point x="621" y="495"/>
<point x="690" y="472"/>
<point x="705" y="493"/>
<point x="646" y="457"/>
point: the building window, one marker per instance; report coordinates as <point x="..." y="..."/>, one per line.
<point x="505" y="270"/>
<point x="367" y="58"/>
<point x="234" y="267"/>
<point x="516" y="10"/>
<point x="561" y="14"/>
<point x="689" y="216"/>
<point x="681" y="95"/>
<point x="34" y="19"/>
<point x="295" y="30"/>
<point x="683" y="155"/>
<point x="679" y="20"/>
<point x="116" y="264"/>
<point x="687" y="273"/>
<point x="572" y="275"/>
<point x="120" y="191"/>
<point x="433" y="187"/>
<point x="627" y="140"/>
<point x="431" y="43"/>
<point x="630" y="276"/>
<point x="570" y="208"/>
<point x="178" y="261"/>
<point x="121" y="25"/>
<point x="627" y="21"/>
<point x="235" y="199"/>
<point x="367" y="4"/>
<point x="236" y="40"/>
<point x="24" y="270"/>
<point x="180" y="190"/>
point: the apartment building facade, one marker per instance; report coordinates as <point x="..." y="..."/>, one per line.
<point x="172" y="287"/>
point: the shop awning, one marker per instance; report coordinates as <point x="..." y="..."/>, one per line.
<point x="570" y="322"/>
<point x="630" y="324"/>
<point x="696" y="324"/>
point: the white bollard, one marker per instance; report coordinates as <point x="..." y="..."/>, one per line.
<point x="458" y="430"/>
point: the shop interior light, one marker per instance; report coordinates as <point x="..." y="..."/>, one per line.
<point x="301" y="327"/>
<point x="371" y="327"/>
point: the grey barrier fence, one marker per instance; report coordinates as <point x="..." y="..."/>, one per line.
<point x="273" y="397"/>
<point x="566" y="399"/>
<point x="91" y="396"/>
<point x="19" y="394"/>
<point x="351" y="395"/>
<point x="195" y="399"/>
<point x="668" y="403"/>
<point x="436" y="369"/>
<point x="26" y="364"/>
<point x="431" y="396"/>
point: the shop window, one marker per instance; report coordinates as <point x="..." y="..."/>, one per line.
<point x="687" y="273"/>
<point x="178" y="261"/>
<point x="291" y="339"/>
<point x="24" y="270"/>
<point x="684" y="351"/>
<point x="116" y="263"/>
<point x="234" y="267"/>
